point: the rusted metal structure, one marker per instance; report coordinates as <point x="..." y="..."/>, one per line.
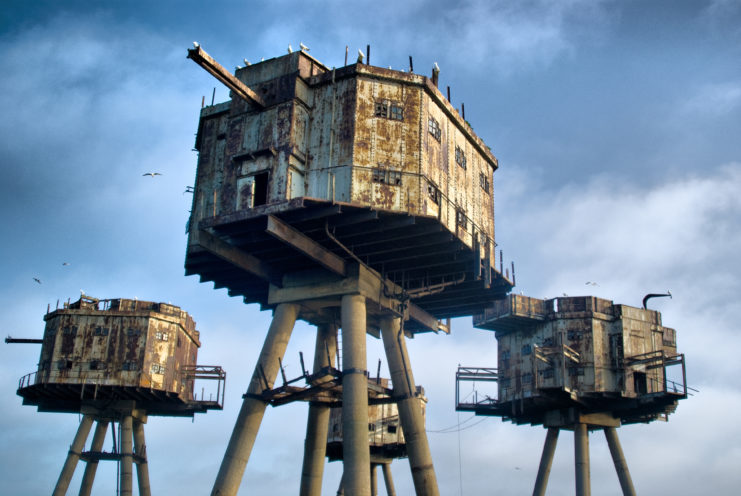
<point x="577" y="363"/>
<point x="357" y="198"/>
<point x="118" y="360"/>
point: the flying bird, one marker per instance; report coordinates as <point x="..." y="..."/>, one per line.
<point x="188" y="189"/>
<point x="151" y="174"/>
<point x="589" y="283"/>
<point x="65" y="264"/>
<point x="37" y="280"/>
<point x="304" y="47"/>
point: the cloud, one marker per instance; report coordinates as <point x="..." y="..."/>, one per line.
<point x="714" y="100"/>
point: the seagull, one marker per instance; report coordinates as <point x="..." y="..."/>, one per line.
<point x="589" y="283"/>
<point x="82" y="292"/>
<point x="188" y="189"/>
<point x="195" y="44"/>
<point x="304" y="47"/>
<point x="361" y="56"/>
<point x="151" y="174"/>
<point x="65" y="264"/>
<point x="290" y="50"/>
<point x="246" y="62"/>
<point x="37" y="280"/>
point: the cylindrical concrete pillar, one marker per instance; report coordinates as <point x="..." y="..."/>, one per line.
<point x="410" y="410"/>
<point x="581" y="459"/>
<point x="142" y="466"/>
<point x="355" y="445"/>
<point x="127" y="458"/>
<point x="253" y="409"/>
<point x="92" y="465"/>
<point x="73" y="456"/>
<point x="621" y="466"/>
<point x="374" y="480"/>
<point x="546" y="460"/>
<point x="315" y="445"/>
<point x="388" y="480"/>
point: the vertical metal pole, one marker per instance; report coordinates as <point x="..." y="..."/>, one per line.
<point x="253" y="409"/>
<point x="546" y="460"/>
<point x="355" y="446"/>
<point x="142" y="466"/>
<point x="388" y="480"/>
<point x="621" y="466"/>
<point x="581" y="459"/>
<point x="410" y="410"/>
<point x="73" y="456"/>
<point x="92" y="465"/>
<point x="315" y="445"/>
<point x="127" y="458"/>
<point x="373" y="480"/>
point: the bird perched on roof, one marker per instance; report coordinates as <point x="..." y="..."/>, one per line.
<point x="290" y="50"/>
<point x="37" y="280"/>
<point x="361" y="56"/>
<point x="151" y="174"/>
<point x="246" y="62"/>
<point x="304" y="47"/>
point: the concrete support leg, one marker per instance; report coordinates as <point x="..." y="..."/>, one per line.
<point x="127" y="458"/>
<point x="142" y="466"/>
<point x="410" y="411"/>
<point x="341" y="488"/>
<point x="92" y="466"/>
<point x="315" y="445"/>
<point x="546" y="460"/>
<point x="73" y="456"/>
<point x="374" y="480"/>
<point x="253" y="409"/>
<point x="621" y="467"/>
<point x="355" y="447"/>
<point x="581" y="459"/>
<point x="388" y="480"/>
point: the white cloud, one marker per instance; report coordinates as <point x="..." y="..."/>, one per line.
<point x="714" y="100"/>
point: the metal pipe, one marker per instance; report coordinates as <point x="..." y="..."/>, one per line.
<point x="317" y="426"/>
<point x="621" y="466"/>
<point x="355" y="447"/>
<point x="142" y="466"/>
<point x="546" y="460"/>
<point x="91" y="466"/>
<point x="127" y="456"/>
<point x="388" y="479"/>
<point x="253" y="408"/>
<point x="373" y="480"/>
<point x="581" y="459"/>
<point x="410" y="410"/>
<point x="73" y="456"/>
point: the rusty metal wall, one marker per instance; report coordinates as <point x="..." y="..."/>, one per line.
<point x="605" y="336"/>
<point x="322" y="136"/>
<point x="130" y="343"/>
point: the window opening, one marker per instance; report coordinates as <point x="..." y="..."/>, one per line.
<point x="484" y="182"/>
<point x="434" y="128"/>
<point x="261" y="189"/>
<point x="460" y="157"/>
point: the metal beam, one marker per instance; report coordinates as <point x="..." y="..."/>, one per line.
<point x="237" y="257"/>
<point x="200" y="57"/>
<point x="305" y="245"/>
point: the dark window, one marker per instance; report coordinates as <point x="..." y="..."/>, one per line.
<point x="433" y="193"/>
<point x="391" y="429"/>
<point x="460" y="157"/>
<point x="371" y="427"/>
<point x="133" y="332"/>
<point x="526" y="349"/>
<point x="101" y="331"/>
<point x="639" y="382"/>
<point x="527" y="378"/>
<point x="574" y="335"/>
<point x="387" y="176"/>
<point x="484" y="182"/>
<point x="70" y="330"/>
<point x="95" y="365"/>
<point x="434" y="128"/>
<point x="381" y="109"/>
<point x="461" y="219"/>
<point x="576" y="371"/>
<point x="261" y="189"/>
<point x="547" y="373"/>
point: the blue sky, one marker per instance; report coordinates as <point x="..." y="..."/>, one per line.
<point x="617" y="129"/>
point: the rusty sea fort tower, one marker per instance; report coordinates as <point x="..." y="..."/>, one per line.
<point x="117" y="361"/>
<point x="357" y="199"/>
